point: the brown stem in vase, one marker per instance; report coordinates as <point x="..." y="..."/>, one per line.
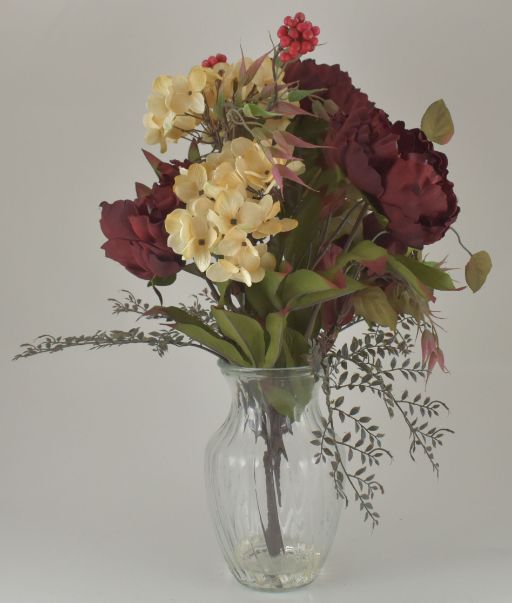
<point x="272" y="464"/>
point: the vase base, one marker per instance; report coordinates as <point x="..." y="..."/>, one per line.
<point x="297" y="566"/>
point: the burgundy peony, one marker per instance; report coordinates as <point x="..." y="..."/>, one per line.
<point x="337" y="83"/>
<point x="135" y="229"/>
<point x="399" y="169"/>
<point x="405" y="178"/>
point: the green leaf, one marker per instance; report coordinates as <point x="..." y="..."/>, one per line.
<point x="214" y="342"/>
<point x="275" y="326"/>
<point x="193" y="152"/>
<point x="367" y="250"/>
<point x="430" y="275"/>
<point x="437" y="123"/>
<point x="477" y="270"/>
<point x="301" y="286"/>
<point x="408" y="276"/>
<point x="262" y="296"/>
<point x="218" y="109"/>
<point x="319" y="110"/>
<point x="282" y="400"/>
<point x="296" y="94"/>
<point x="162" y="281"/>
<point x="253" y="110"/>
<point x="179" y="315"/>
<point x="245" y="331"/>
<point x="295" y="348"/>
<point x="302" y="242"/>
<point x="363" y="251"/>
<point x="373" y="305"/>
<point x="291" y="401"/>
<point x="304" y="288"/>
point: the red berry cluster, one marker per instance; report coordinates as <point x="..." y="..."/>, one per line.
<point x="212" y="60"/>
<point x="297" y="37"/>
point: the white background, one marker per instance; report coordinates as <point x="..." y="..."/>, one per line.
<point x="101" y="485"/>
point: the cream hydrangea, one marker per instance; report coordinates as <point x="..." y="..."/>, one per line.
<point x="174" y="107"/>
<point x="227" y="211"/>
<point x="192" y="236"/>
<point x="248" y="266"/>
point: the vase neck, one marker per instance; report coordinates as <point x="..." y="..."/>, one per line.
<point x="259" y="393"/>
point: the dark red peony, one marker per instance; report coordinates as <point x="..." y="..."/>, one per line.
<point x="337" y="83"/>
<point x="404" y="177"/>
<point x="135" y="229"/>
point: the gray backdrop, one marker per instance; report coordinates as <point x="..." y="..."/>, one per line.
<point x="101" y="486"/>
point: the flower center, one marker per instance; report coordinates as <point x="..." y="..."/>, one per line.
<point x="233" y="221"/>
<point x="201" y="192"/>
<point x="190" y="92"/>
<point x="201" y="242"/>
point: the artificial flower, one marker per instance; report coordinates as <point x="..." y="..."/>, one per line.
<point x="189" y="186"/>
<point x="269" y="224"/>
<point x="177" y="225"/>
<point x="185" y="95"/>
<point x="247" y="266"/>
<point x="251" y="163"/>
<point x="135" y="229"/>
<point x="398" y="168"/>
<point x="198" y="237"/>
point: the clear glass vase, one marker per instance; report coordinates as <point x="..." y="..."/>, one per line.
<point x="274" y="509"/>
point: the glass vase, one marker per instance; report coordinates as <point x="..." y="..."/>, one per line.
<point x="274" y="508"/>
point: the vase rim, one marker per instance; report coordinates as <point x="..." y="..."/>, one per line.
<point x="232" y="369"/>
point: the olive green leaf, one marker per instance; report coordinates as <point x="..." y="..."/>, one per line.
<point x="295" y="348"/>
<point x="409" y="277"/>
<point x="214" y="342"/>
<point x="295" y="94"/>
<point x="194" y="155"/>
<point x="304" y="288"/>
<point x="275" y="326"/>
<point x="282" y="400"/>
<point x="162" y="281"/>
<point x="437" y="123"/>
<point x="373" y="305"/>
<point x="363" y="251"/>
<point x="253" y="110"/>
<point x="477" y="270"/>
<point x="263" y="295"/>
<point x="245" y="331"/>
<point x="429" y="274"/>
<point x="179" y="315"/>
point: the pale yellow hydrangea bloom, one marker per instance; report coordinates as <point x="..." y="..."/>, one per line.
<point x="174" y="107"/>
<point x="224" y="215"/>
<point x="248" y="266"/>
<point x="191" y="236"/>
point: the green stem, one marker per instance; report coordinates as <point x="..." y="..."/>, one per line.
<point x="460" y="240"/>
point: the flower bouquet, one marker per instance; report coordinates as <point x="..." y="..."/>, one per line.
<point x="303" y="211"/>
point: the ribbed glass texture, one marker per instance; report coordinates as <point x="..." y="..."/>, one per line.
<point x="274" y="509"/>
